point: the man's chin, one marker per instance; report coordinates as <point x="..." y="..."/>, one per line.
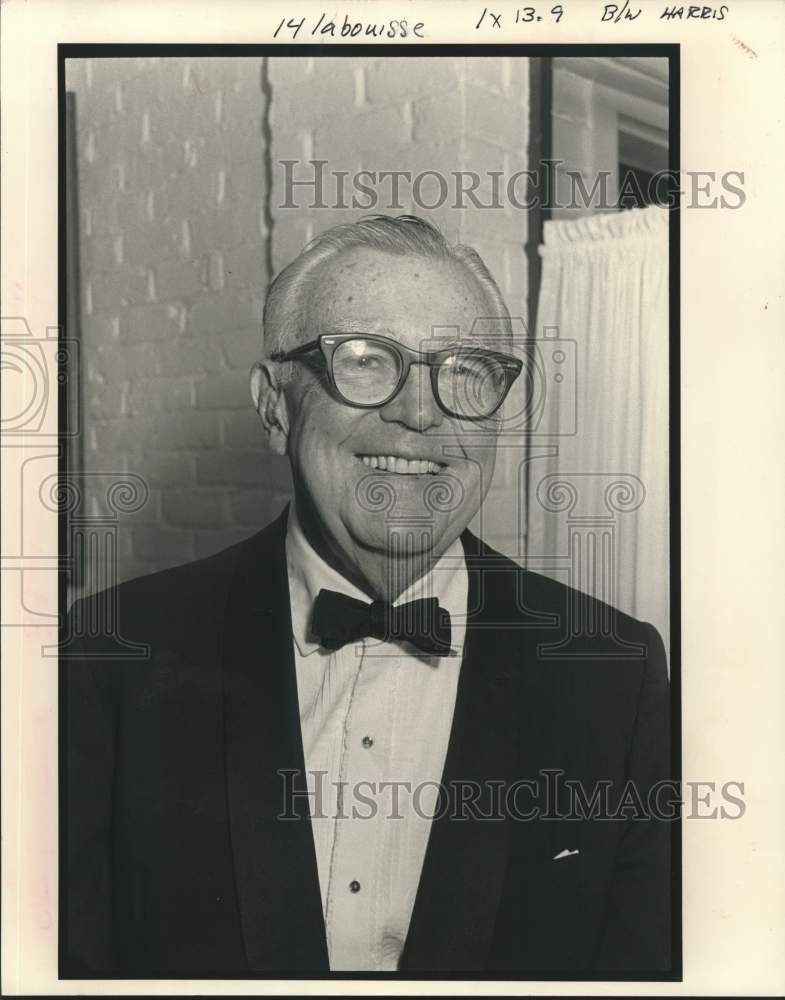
<point x="401" y="537"/>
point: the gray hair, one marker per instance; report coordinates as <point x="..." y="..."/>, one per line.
<point x="403" y="234"/>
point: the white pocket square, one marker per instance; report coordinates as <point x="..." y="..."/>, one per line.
<point x="566" y="853"/>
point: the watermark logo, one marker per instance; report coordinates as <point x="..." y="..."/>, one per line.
<point x="312" y="184"/>
<point x="548" y="795"/>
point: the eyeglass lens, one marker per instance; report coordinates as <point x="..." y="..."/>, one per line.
<point x="471" y="385"/>
<point x="367" y="372"/>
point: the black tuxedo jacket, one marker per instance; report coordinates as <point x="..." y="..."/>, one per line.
<point x="179" y="865"/>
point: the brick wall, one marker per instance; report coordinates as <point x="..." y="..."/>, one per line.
<point x="404" y="114"/>
<point x="171" y="205"/>
<point x="177" y="235"/>
<point x="585" y="140"/>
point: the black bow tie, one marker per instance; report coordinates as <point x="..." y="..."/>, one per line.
<point x="338" y="619"/>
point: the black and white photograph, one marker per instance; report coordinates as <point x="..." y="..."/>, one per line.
<point x="391" y="402"/>
<point x="366" y="668"/>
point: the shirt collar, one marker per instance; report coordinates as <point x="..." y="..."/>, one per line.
<point x="309" y="573"/>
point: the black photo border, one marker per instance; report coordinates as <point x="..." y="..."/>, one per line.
<point x="415" y="50"/>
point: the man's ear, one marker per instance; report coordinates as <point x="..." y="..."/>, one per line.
<point x="270" y="403"/>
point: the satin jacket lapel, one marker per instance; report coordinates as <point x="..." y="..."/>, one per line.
<point x="464" y="867"/>
<point x="275" y="863"/>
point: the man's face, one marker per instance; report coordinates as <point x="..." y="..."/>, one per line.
<point x="338" y="452"/>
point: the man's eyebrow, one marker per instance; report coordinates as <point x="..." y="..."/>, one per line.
<point x="426" y="344"/>
<point x="384" y="331"/>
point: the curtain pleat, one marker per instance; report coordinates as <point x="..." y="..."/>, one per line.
<point x="604" y="296"/>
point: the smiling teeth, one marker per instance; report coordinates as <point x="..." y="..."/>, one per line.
<point x="403" y="466"/>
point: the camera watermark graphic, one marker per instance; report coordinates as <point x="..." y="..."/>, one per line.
<point x="88" y="506"/>
<point x="542" y="401"/>
<point x="35" y="368"/>
<point x="32" y="369"/>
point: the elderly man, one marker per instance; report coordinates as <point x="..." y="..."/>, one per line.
<point x="362" y="740"/>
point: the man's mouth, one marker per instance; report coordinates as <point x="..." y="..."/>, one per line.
<point x="402" y="466"/>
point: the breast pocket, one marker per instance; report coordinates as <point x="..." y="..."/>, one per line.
<point x="539" y="879"/>
<point x="554" y="907"/>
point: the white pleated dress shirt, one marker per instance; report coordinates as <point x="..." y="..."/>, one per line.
<point x="372" y="713"/>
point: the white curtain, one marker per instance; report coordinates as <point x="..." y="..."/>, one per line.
<point x="598" y="474"/>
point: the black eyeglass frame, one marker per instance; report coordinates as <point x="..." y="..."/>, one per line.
<point x="328" y="343"/>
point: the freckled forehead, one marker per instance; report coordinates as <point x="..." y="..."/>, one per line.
<point x="363" y="289"/>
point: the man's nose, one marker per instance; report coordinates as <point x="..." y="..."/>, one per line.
<point x="414" y="406"/>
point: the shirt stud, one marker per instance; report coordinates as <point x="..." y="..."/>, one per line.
<point x="367" y="742"/>
<point x="354" y="886"/>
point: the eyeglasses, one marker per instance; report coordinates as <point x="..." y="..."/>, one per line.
<point x="368" y="370"/>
